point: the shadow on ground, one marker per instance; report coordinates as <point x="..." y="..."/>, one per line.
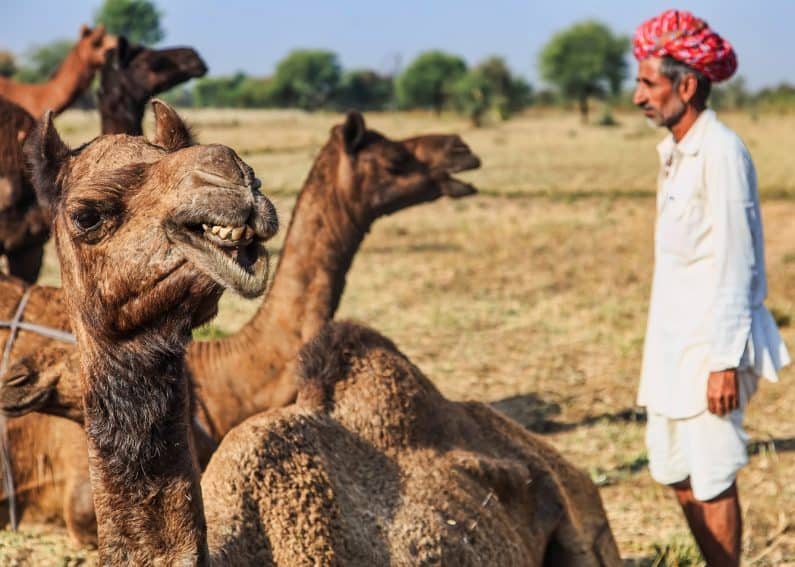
<point x="537" y="415"/>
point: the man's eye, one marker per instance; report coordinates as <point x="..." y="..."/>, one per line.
<point x="87" y="219"/>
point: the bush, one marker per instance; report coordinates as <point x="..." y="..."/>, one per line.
<point x="428" y="81"/>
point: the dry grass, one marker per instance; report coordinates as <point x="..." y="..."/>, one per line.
<point x="533" y="296"/>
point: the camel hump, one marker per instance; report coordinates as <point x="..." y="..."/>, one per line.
<point x="332" y="354"/>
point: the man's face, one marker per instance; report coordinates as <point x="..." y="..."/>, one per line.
<point x="656" y="96"/>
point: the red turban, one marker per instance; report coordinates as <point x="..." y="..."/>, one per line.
<point x="684" y="37"/>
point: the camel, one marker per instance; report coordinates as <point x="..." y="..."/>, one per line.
<point x="36" y="382"/>
<point x="371" y="466"/>
<point x="24" y="227"/>
<point x="72" y="77"/>
<point x="130" y="76"/>
<point x="133" y="74"/>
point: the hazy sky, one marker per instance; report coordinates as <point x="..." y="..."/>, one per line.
<point x="252" y="36"/>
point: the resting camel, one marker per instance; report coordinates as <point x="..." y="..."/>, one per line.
<point x="130" y="76"/>
<point x="372" y="466"/>
<point x="38" y="382"/>
<point x="72" y="77"/>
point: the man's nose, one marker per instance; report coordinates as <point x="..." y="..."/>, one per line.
<point x="639" y="97"/>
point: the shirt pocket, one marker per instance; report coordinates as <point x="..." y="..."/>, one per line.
<point x="681" y="224"/>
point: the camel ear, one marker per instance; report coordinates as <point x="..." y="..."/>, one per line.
<point x="98" y="36"/>
<point x="121" y="53"/>
<point x="45" y="153"/>
<point x="171" y="132"/>
<point x="353" y="132"/>
<point x="84" y="30"/>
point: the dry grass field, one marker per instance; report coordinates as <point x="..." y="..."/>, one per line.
<point x="532" y="296"/>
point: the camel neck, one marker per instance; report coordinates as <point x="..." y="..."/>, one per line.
<point x="120" y="114"/>
<point x="71" y="78"/>
<point x="322" y="239"/>
<point x="144" y="476"/>
<point x="242" y="374"/>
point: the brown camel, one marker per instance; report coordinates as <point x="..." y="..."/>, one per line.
<point x="72" y="77"/>
<point x="133" y="74"/>
<point x="130" y="76"/>
<point x="371" y="467"/>
<point x="24" y="226"/>
<point x="36" y="383"/>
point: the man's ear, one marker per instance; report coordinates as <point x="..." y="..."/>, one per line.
<point x="688" y="85"/>
<point x="45" y="153"/>
<point x="171" y="133"/>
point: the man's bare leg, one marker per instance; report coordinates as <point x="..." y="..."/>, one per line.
<point x="716" y="524"/>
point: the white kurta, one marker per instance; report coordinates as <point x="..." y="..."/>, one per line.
<point x="706" y="311"/>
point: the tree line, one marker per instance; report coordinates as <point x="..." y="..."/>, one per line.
<point x="313" y="79"/>
<point x="583" y="62"/>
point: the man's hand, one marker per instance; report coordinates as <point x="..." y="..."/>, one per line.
<point x="723" y="393"/>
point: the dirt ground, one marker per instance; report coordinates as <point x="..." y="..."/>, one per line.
<point x="531" y="296"/>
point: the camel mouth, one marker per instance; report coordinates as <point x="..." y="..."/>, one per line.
<point x="232" y="255"/>
<point x="20" y="395"/>
<point x="456" y="189"/>
<point x="24" y="406"/>
<point x="464" y="162"/>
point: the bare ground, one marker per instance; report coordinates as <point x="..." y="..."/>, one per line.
<point x="532" y="296"/>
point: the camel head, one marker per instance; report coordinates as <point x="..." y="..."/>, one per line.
<point x="381" y="176"/>
<point x="134" y="71"/>
<point x="93" y="44"/>
<point x="151" y="232"/>
<point x="30" y="382"/>
<point x="447" y="152"/>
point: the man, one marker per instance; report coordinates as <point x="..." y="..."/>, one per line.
<point x="709" y="336"/>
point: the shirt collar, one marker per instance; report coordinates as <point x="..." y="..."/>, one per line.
<point x="691" y="143"/>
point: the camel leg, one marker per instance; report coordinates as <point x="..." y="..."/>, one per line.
<point x="716" y="524"/>
<point x="79" y="515"/>
<point x="25" y="264"/>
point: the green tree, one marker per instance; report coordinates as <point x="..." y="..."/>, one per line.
<point x="255" y="93"/>
<point x="306" y="78"/>
<point x="137" y="20"/>
<point x="219" y="91"/>
<point x="428" y="81"/>
<point x="585" y="60"/>
<point x="364" y="89"/>
<point x="473" y="95"/>
<point x="40" y="62"/>
<point x="509" y="94"/>
<point x="8" y="65"/>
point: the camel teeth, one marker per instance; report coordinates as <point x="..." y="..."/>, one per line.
<point x="205" y="226"/>
<point x="249" y="233"/>
<point x="216" y="229"/>
<point x="224" y="232"/>
<point x="237" y="232"/>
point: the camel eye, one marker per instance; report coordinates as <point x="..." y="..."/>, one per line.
<point x="87" y="219"/>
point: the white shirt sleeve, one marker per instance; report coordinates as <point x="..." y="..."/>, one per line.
<point x="731" y="190"/>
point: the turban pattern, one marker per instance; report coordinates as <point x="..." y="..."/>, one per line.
<point x="688" y="39"/>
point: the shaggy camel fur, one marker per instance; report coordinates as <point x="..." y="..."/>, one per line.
<point x="372" y="466"/>
<point x="36" y="383"/>
<point x="133" y="74"/>
<point x="130" y="76"/>
<point x="24" y="227"/>
<point x="72" y="77"/>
